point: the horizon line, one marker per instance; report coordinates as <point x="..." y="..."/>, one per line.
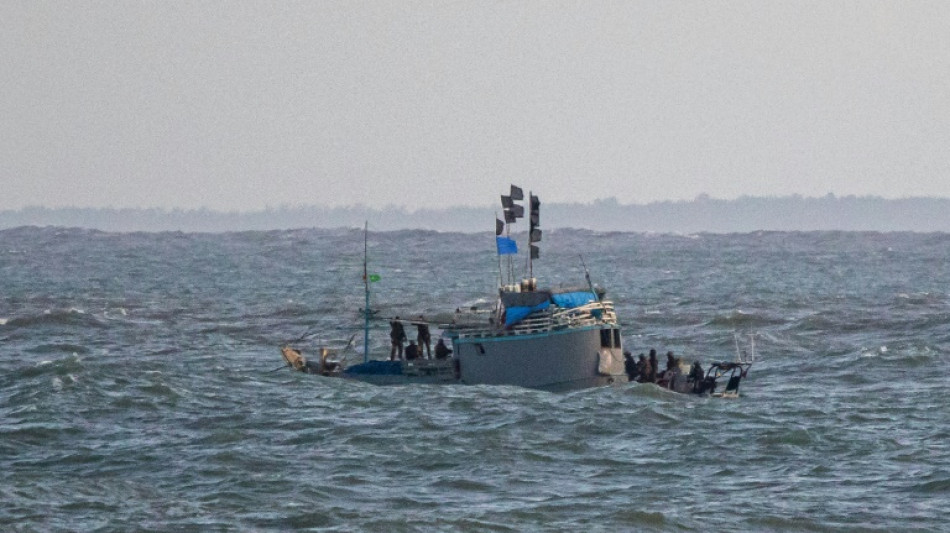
<point x="611" y="200"/>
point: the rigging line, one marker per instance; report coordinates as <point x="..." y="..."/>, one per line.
<point x="366" y="287"/>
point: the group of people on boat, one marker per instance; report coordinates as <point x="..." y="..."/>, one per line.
<point x="646" y="370"/>
<point x="397" y="336"/>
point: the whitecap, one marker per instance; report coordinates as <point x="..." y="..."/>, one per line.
<point x="3" y="321"/>
<point x="873" y="353"/>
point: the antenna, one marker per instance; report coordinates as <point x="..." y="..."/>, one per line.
<point x="587" y="275"/>
<point x="590" y="284"/>
<point x="743" y="357"/>
<point x="366" y="287"/>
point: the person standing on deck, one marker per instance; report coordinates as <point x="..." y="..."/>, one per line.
<point x="696" y="376"/>
<point x="643" y="368"/>
<point x="397" y="334"/>
<point x="654" y="367"/>
<point x="667" y="374"/>
<point x="423" y="337"/>
<point x="630" y="366"/>
<point x="670" y="361"/>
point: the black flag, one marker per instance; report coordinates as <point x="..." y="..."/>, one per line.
<point x="517" y="210"/>
<point x="535" y="235"/>
<point x="516" y="193"/>
<point x="499" y="227"/>
<point x="535" y="208"/>
<point x="510" y="217"/>
<point x="535" y="252"/>
<point x="506" y="202"/>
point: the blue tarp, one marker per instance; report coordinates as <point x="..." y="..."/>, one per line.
<point x="513" y="315"/>
<point x="570" y="300"/>
<point x="376" y="368"/>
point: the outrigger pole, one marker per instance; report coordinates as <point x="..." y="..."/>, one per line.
<point x="366" y="286"/>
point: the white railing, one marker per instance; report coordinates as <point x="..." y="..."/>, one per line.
<point x="543" y="321"/>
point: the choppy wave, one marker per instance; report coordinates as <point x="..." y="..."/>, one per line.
<point x="67" y="317"/>
<point x="138" y="391"/>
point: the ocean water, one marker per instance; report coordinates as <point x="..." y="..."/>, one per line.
<point x="138" y="389"/>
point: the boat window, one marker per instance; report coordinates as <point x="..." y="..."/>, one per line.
<point x="605" y="338"/>
<point x="616" y="338"/>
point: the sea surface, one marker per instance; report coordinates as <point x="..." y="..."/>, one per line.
<point x="141" y="387"/>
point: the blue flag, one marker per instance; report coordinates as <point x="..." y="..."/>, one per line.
<point x="506" y="246"/>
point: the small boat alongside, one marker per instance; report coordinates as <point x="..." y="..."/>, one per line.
<point x="731" y="372"/>
<point x="692" y="379"/>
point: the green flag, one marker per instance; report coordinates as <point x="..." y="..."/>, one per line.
<point x="374" y="277"/>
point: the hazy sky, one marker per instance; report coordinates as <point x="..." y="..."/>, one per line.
<point x="239" y="105"/>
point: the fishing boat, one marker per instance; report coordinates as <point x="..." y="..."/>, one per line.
<point x="553" y="338"/>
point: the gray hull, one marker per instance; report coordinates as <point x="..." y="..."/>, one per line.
<point x="403" y="380"/>
<point x="553" y="360"/>
<point x="562" y="360"/>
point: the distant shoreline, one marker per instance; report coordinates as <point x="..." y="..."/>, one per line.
<point x="746" y="214"/>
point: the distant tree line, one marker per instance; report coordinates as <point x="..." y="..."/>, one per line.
<point x="704" y="214"/>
